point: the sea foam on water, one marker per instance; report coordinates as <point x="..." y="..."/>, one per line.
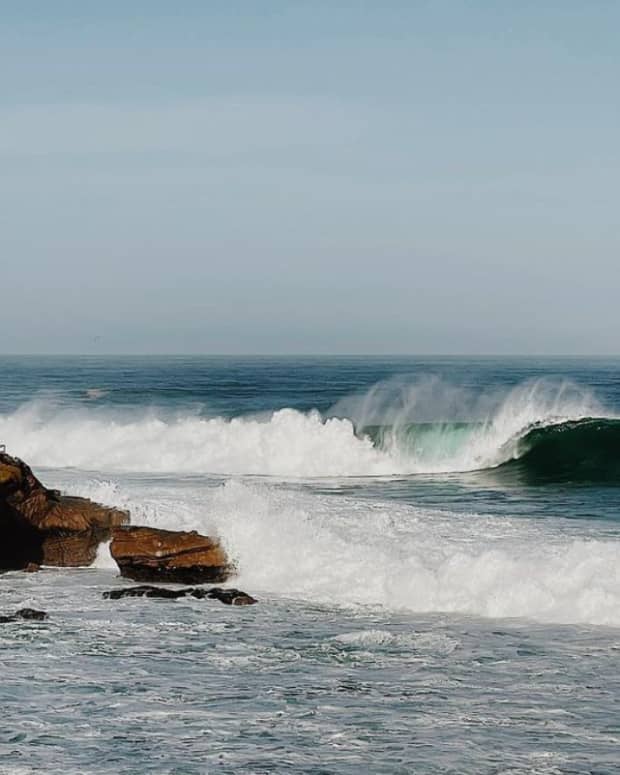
<point x="337" y="550"/>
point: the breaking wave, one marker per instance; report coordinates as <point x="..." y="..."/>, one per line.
<point x="576" y="450"/>
<point x="538" y="429"/>
<point x="583" y="450"/>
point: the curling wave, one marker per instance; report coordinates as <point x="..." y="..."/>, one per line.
<point x="539" y="428"/>
<point x="576" y="450"/>
<point x="583" y="450"/>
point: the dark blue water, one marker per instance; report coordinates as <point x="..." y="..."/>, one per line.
<point x="240" y="385"/>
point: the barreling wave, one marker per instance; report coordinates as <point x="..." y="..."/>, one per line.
<point x="539" y="430"/>
<point x="585" y="450"/>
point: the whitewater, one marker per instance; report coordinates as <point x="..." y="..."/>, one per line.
<point x="338" y="551"/>
<point x="435" y="545"/>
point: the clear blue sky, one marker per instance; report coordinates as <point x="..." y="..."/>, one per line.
<point x="310" y="177"/>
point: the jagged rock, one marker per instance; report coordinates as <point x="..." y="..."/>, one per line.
<point x="24" y="613"/>
<point x="227" y="596"/>
<point x="231" y="596"/>
<point x="39" y="526"/>
<point x="149" y="554"/>
<point x="144" y="590"/>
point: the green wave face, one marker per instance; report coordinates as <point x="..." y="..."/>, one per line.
<point x="577" y="451"/>
<point x="586" y="450"/>
<point x="424" y="442"/>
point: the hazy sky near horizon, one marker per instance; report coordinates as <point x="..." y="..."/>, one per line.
<point x="310" y="177"/>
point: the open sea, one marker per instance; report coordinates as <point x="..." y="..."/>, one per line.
<point x="434" y="542"/>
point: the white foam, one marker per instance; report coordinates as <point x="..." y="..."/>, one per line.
<point x="289" y="443"/>
<point x="347" y="552"/>
<point x="103" y="560"/>
<point x="427" y="642"/>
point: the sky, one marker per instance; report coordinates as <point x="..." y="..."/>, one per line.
<point x="302" y="176"/>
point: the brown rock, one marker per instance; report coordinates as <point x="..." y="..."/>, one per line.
<point x="148" y="554"/>
<point x="79" y="549"/>
<point x="10" y="477"/>
<point x="41" y="526"/>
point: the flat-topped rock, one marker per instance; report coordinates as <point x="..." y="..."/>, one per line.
<point x="150" y="554"/>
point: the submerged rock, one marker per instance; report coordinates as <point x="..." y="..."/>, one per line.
<point x="231" y="596"/>
<point x="39" y="526"/>
<point x="144" y="590"/>
<point x="227" y="596"/>
<point x="149" y="554"/>
<point x="24" y="613"/>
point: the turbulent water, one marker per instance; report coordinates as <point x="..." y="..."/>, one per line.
<point x="435" y="545"/>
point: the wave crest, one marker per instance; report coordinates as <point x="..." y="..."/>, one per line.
<point x="426" y="428"/>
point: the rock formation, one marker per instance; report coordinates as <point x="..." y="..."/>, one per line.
<point x="39" y="526"/>
<point x="148" y="554"/>
<point x="24" y="613"/>
<point x="227" y="596"/>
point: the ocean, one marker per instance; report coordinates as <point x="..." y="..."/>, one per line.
<point x="434" y="543"/>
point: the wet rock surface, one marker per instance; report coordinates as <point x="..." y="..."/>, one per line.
<point x="65" y="549"/>
<point x="24" y="614"/>
<point x="149" y="554"/>
<point x="226" y="596"/>
<point x="39" y="526"/>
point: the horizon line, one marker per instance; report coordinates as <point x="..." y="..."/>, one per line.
<point x="302" y="355"/>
